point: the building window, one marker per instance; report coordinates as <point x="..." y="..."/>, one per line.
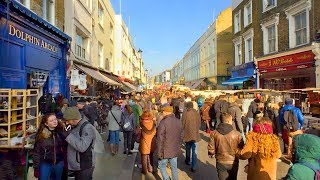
<point x="100" y="14"/>
<point x="238" y="58"/>
<point x="248" y="14"/>
<point x="301" y="28"/>
<point x="269" y="4"/>
<point x="237" y="49"/>
<point x="270" y="35"/>
<point x="271" y="38"/>
<point x="299" y="25"/>
<point x="213" y="46"/>
<point x="80" y="50"/>
<point x="237" y="22"/>
<point x="107" y="65"/>
<point x="248" y="46"/>
<point x="100" y="55"/>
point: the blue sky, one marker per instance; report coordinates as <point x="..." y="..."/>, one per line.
<point x="166" y="29"/>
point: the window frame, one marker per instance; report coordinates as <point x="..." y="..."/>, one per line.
<point x="246" y="14"/>
<point x="266" y="7"/>
<point x="237" y="57"/>
<point x="249" y="34"/>
<point x="100" y="14"/>
<point x="264" y="26"/>
<point x="238" y="23"/>
<point x="291" y="12"/>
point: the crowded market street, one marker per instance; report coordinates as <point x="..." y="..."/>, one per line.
<point x="165" y="90"/>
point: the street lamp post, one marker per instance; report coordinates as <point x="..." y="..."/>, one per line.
<point x="227" y="67"/>
<point x="146" y="78"/>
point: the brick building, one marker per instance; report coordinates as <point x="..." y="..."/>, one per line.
<point x="244" y="39"/>
<point x="283" y="50"/>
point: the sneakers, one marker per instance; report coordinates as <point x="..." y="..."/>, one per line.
<point x="134" y="151"/>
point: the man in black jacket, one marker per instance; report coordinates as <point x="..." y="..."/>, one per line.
<point x="87" y="111"/>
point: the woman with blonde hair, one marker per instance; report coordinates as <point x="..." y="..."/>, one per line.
<point x="262" y="148"/>
<point x="48" y="156"/>
<point x="148" y="141"/>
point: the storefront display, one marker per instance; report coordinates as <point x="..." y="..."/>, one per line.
<point x="295" y="71"/>
<point x="33" y="52"/>
<point x="242" y="77"/>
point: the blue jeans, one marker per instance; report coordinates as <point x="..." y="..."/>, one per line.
<point x="174" y="168"/>
<point x="191" y="146"/>
<point x="249" y="125"/>
<point x="50" y="171"/>
<point x="114" y="137"/>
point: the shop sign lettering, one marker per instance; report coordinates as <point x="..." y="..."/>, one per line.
<point x="288" y="68"/>
<point x="13" y="31"/>
<point x="303" y="57"/>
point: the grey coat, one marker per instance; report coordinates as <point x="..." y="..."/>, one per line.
<point x="77" y="144"/>
<point x="169" y="137"/>
<point x="253" y="108"/>
<point x="235" y="111"/>
<point x="117" y="113"/>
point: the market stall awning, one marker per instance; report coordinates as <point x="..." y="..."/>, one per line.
<point x="126" y="89"/>
<point x="131" y="86"/>
<point x="235" y="81"/>
<point x="97" y="75"/>
<point x="196" y="84"/>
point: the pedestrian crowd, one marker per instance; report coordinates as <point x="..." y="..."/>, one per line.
<point x="163" y="121"/>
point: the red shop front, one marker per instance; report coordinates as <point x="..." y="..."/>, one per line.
<point x="295" y="71"/>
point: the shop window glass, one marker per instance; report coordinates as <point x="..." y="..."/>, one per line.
<point x="301" y="28"/>
<point x="272" y="38"/>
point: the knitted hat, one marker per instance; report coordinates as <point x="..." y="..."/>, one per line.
<point x="289" y="101"/>
<point x="65" y="101"/>
<point x="81" y="101"/>
<point x="71" y="113"/>
<point x="167" y="109"/>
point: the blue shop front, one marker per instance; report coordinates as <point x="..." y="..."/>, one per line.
<point x="32" y="51"/>
<point x="242" y="77"/>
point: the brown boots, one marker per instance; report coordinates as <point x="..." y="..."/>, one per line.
<point x="114" y="149"/>
<point x="147" y="163"/>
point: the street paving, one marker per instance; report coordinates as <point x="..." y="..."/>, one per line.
<point x="206" y="166"/>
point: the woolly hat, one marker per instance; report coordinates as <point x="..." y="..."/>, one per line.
<point x="65" y="101"/>
<point x="81" y="101"/>
<point x="167" y="109"/>
<point x="71" y="113"/>
<point x="289" y="101"/>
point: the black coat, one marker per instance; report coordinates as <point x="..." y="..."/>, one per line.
<point x="48" y="150"/>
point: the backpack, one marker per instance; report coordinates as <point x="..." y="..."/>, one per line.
<point x="212" y="112"/>
<point x="316" y="171"/>
<point x="291" y="120"/>
<point x="224" y="106"/>
<point x="127" y="123"/>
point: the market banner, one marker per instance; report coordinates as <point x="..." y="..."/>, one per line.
<point x="291" y="62"/>
<point x="74" y="81"/>
<point x="82" y="82"/>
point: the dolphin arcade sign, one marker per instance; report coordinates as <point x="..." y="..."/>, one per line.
<point x="13" y="31"/>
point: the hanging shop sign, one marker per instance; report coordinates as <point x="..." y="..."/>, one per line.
<point x="74" y="81"/>
<point x="13" y="31"/>
<point x="38" y="78"/>
<point x="291" y="62"/>
<point x="82" y="82"/>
